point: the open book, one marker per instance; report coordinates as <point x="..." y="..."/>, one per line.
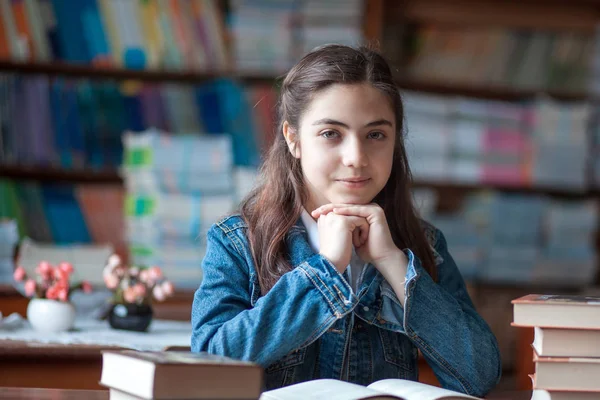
<point x="331" y="389"/>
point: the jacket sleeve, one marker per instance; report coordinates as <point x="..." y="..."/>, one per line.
<point x="299" y="308"/>
<point x="441" y="320"/>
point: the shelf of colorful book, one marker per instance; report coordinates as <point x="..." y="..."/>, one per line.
<point x="103" y="73"/>
<point x="50" y="174"/>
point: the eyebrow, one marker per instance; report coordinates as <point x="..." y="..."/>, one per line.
<point x="328" y="121"/>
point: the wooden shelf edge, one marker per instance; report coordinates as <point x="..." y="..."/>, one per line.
<point x="47" y="174"/>
<point x="44" y="174"/>
<point x="458" y="186"/>
<point x="488" y="92"/>
<point x="98" y="72"/>
<point x="442" y="88"/>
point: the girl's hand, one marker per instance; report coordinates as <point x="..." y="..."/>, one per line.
<point x="337" y="233"/>
<point x="379" y="248"/>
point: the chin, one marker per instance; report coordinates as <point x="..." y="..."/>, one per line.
<point x="347" y="199"/>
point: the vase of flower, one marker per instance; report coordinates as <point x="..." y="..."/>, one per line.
<point x="134" y="288"/>
<point x="50" y="316"/>
<point x="49" y="309"/>
<point x="131" y="317"/>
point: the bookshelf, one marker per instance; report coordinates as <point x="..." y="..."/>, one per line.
<point x="87" y="176"/>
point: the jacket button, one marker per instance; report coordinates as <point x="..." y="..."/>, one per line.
<point x="365" y="308"/>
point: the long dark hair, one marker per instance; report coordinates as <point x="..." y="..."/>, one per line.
<point x="275" y="205"/>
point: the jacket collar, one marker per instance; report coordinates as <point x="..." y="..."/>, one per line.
<point x="299" y="247"/>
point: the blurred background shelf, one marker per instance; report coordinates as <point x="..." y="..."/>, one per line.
<point x="51" y="174"/>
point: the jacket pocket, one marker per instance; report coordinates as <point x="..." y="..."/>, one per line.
<point x="397" y="350"/>
<point x="282" y="372"/>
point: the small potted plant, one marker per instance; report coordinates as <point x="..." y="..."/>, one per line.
<point x="134" y="288"/>
<point x="49" y="309"/>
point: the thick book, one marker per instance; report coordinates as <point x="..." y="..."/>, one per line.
<point x="540" y="394"/>
<point x="180" y="375"/>
<point x="561" y="342"/>
<point x="331" y="389"/>
<point x="567" y="374"/>
<point x="557" y="311"/>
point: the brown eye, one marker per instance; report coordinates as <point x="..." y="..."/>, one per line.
<point x="376" y="135"/>
<point x="329" y="134"/>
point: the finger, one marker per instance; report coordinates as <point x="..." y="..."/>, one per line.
<point x="364" y="235"/>
<point x="359" y="224"/>
<point x="323" y="210"/>
<point x="326" y="209"/>
<point x="359" y="211"/>
<point x="356" y="237"/>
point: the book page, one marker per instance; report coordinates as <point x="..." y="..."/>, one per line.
<point x="325" y="389"/>
<point x="416" y="391"/>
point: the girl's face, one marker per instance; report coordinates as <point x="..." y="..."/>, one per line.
<point x="345" y="144"/>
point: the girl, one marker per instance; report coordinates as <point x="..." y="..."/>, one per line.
<point x="328" y="272"/>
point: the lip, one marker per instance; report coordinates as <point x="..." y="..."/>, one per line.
<point x="355" y="182"/>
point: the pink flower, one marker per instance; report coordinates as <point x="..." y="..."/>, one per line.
<point x="86" y="287"/>
<point x="52" y="293"/>
<point x="158" y="293"/>
<point x="19" y="274"/>
<point x="144" y="276"/>
<point x="167" y="288"/>
<point x="140" y="290"/>
<point x="155" y="273"/>
<point x="63" y="294"/>
<point x="129" y="295"/>
<point x="30" y="287"/>
<point x="111" y="281"/>
<point x="61" y="275"/>
<point x="66" y="267"/>
<point x="44" y="269"/>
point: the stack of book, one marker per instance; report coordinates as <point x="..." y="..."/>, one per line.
<point x="132" y="375"/>
<point x="566" y="344"/>
<point x="177" y="187"/>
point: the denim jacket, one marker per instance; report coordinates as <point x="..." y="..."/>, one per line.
<point x="312" y="325"/>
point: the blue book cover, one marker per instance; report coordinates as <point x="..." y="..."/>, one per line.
<point x="93" y="30"/>
<point x="134" y="111"/>
<point x="60" y="124"/>
<point x="208" y="102"/>
<point x="237" y="118"/>
<point x="73" y="46"/>
<point x="88" y="110"/>
<point x="64" y="215"/>
<point x="74" y="126"/>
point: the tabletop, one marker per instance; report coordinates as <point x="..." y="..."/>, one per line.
<point x="69" y="394"/>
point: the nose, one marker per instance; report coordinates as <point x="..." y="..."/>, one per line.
<point x="354" y="154"/>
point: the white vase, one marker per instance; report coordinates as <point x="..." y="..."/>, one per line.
<point x="49" y="316"/>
